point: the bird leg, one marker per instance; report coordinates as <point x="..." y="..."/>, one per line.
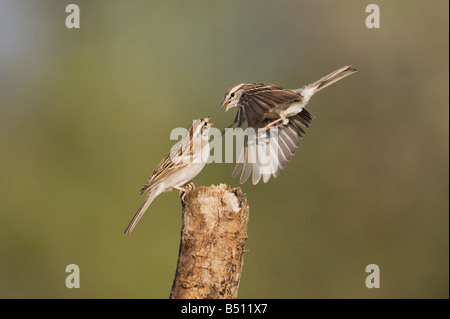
<point x="187" y="188"/>
<point x="271" y="124"/>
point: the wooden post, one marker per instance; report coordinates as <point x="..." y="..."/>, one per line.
<point x="213" y="234"/>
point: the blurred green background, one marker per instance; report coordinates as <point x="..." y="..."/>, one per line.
<point x="85" y="117"/>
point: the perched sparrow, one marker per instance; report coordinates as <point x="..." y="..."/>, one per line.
<point x="185" y="160"/>
<point x="268" y="106"/>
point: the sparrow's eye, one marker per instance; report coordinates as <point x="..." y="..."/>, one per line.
<point x="232" y="94"/>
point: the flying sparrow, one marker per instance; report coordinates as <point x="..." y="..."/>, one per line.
<point x="185" y="160"/>
<point x="269" y="106"/>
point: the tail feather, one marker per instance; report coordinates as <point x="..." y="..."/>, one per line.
<point x="148" y="200"/>
<point x="309" y="90"/>
<point x="334" y="77"/>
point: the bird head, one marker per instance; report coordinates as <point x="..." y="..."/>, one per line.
<point x="233" y="96"/>
<point x="200" y="127"/>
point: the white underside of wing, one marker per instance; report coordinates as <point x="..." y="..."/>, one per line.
<point x="293" y="109"/>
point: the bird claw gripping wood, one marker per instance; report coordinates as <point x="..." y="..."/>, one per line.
<point x="187" y="188"/>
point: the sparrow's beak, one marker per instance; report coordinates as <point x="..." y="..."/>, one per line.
<point x="211" y="124"/>
<point x="208" y="118"/>
<point x="229" y="106"/>
<point x="225" y="102"/>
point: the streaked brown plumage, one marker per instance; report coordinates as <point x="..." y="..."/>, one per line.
<point x="268" y="106"/>
<point x="185" y="160"/>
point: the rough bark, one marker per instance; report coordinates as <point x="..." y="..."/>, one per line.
<point x="213" y="234"/>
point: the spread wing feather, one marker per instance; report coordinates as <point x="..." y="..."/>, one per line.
<point x="253" y="160"/>
<point x="259" y="101"/>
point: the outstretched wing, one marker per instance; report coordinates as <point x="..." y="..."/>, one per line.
<point x="265" y="154"/>
<point x="258" y="102"/>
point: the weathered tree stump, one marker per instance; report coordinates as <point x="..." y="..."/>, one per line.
<point x="213" y="234"/>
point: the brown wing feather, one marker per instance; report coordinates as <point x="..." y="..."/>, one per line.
<point x="165" y="164"/>
<point x="259" y="101"/>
